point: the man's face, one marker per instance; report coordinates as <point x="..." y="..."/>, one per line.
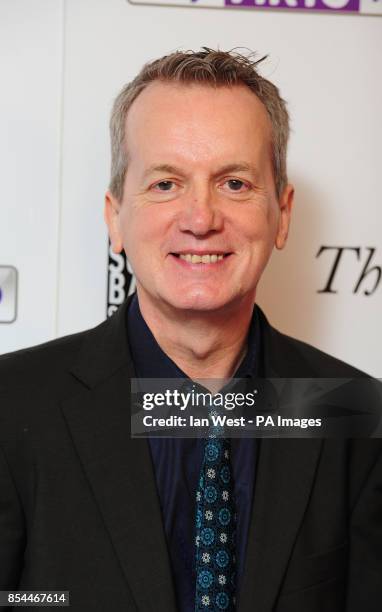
<point x="199" y="215"/>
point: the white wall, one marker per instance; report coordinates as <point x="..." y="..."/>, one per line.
<point x="30" y="103"/>
<point x="327" y="67"/>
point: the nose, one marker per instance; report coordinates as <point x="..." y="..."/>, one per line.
<point x="200" y="213"/>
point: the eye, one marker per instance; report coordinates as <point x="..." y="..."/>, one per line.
<point x="236" y="185"/>
<point x="164" y="185"/>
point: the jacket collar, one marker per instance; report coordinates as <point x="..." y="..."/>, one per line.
<point x="106" y="348"/>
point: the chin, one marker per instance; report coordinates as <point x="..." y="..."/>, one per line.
<point x="198" y="302"/>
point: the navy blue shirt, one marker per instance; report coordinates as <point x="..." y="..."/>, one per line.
<point x="177" y="461"/>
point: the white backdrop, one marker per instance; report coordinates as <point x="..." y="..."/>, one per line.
<point x="63" y="62"/>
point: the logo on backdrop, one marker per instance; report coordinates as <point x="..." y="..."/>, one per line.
<point x="8" y="294"/>
<point x="120" y="280"/>
<point x="367" y="275"/>
<point x="361" y="7"/>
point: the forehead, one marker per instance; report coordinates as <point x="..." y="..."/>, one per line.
<point x="198" y="121"/>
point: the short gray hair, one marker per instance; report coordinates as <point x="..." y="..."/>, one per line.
<point x="210" y="67"/>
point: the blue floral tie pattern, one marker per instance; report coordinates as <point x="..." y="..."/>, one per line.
<point x="215" y="530"/>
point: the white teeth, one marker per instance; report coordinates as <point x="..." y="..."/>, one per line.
<point x="187" y="257"/>
<point x="206" y="259"/>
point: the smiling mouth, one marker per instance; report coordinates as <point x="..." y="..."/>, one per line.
<point x="205" y="258"/>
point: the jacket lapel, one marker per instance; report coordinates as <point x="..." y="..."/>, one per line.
<point x="284" y="479"/>
<point x="119" y="468"/>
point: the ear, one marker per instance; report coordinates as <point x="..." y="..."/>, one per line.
<point x="111" y="216"/>
<point x="285" y="203"/>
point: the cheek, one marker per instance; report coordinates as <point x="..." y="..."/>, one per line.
<point x="258" y="227"/>
<point x="133" y="224"/>
<point x="129" y="233"/>
<point x="143" y="230"/>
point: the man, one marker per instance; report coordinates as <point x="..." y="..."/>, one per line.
<point x="198" y="199"/>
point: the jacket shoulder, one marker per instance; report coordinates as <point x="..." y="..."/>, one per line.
<point x="51" y="347"/>
<point x="321" y="362"/>
<point x="290" y="357"/>
<point x="57" y="367"/>
<point x="38" y="364"/>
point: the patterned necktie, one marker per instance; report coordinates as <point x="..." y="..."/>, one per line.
<point x="215" y="530"/>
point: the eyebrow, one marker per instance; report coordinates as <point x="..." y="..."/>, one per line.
<point x="238" y="167"/>
<point x="227" y="169"/>
<point x="162" y="168"/>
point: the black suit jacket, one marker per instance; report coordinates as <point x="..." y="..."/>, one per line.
<point x="79" y="509"/>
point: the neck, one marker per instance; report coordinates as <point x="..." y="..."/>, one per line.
<point x="203" y="344"/>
